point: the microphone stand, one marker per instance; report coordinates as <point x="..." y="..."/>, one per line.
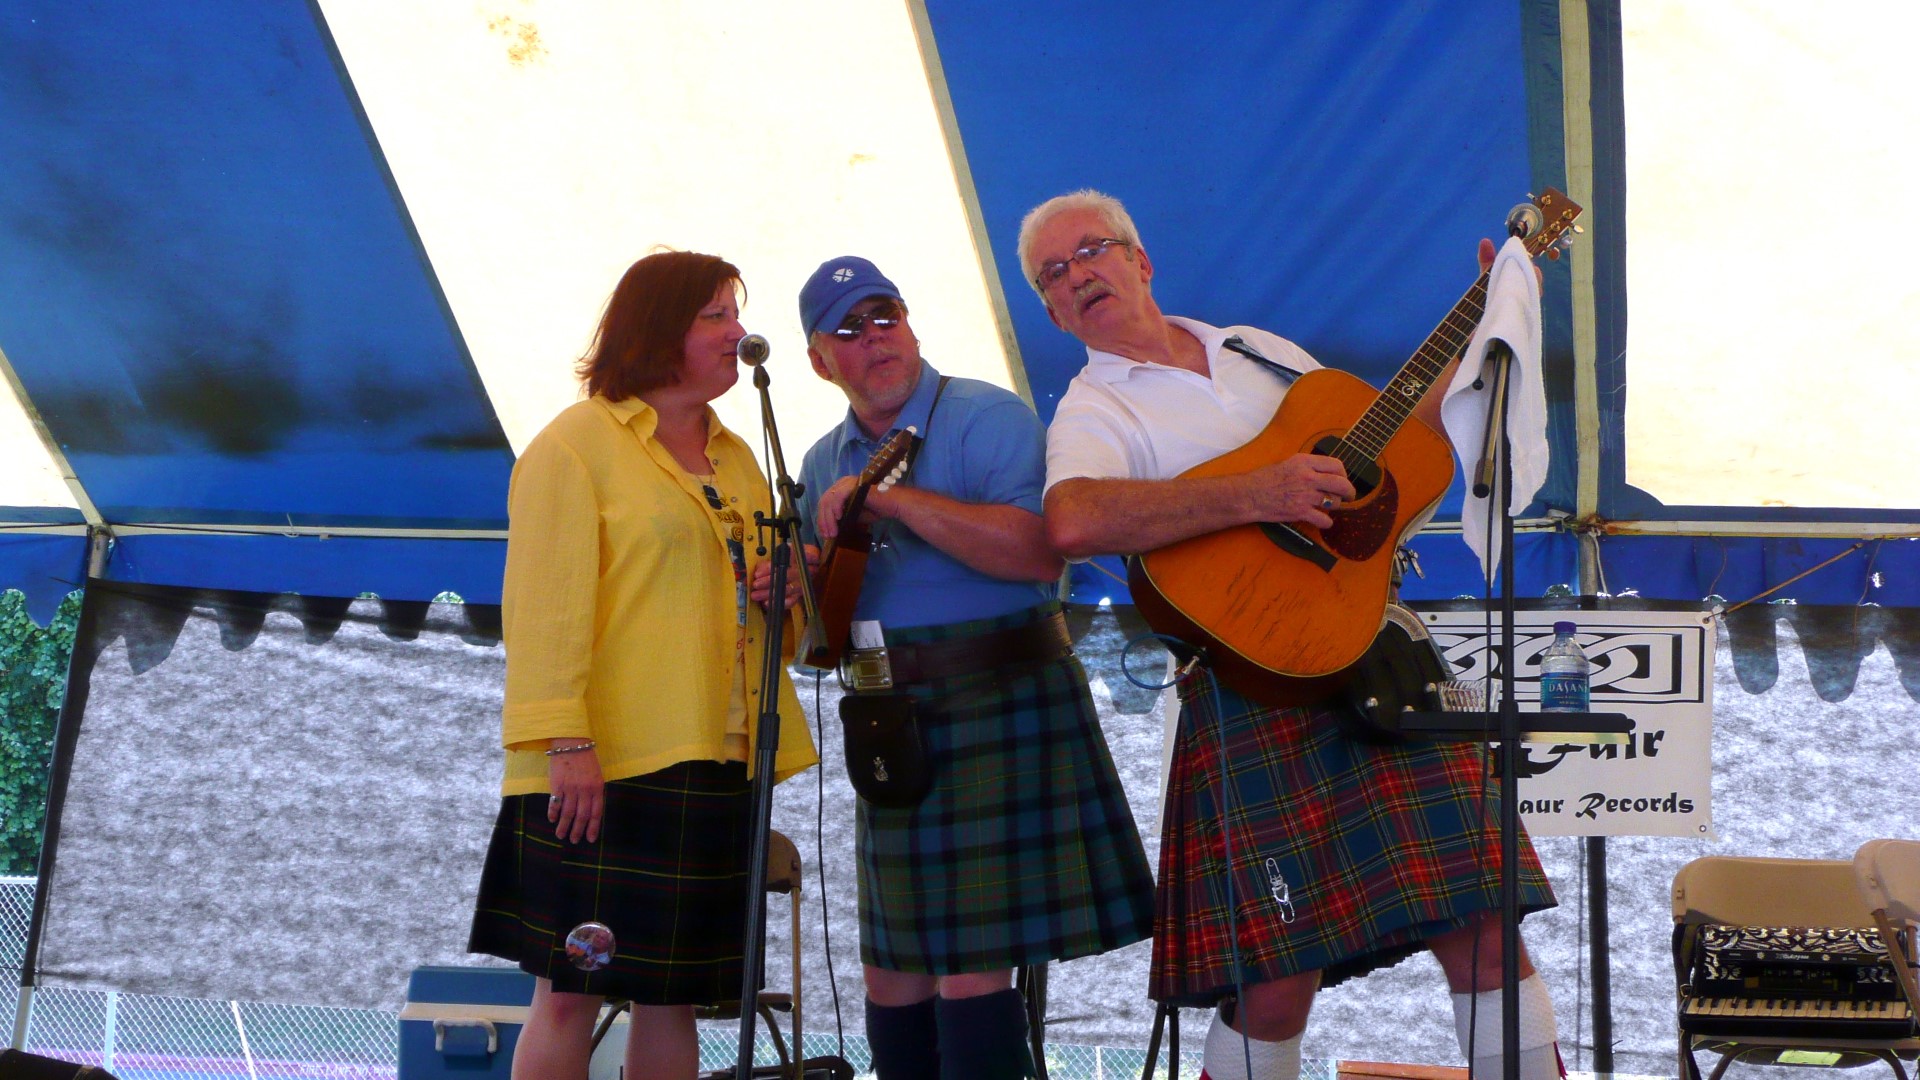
<point x="785" y="524"/>
<point x="1493" y="480"/>
<point x="1496" y="463"/>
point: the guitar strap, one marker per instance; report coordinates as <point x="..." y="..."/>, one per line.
<point x="920" y="440"/>
<point x="913" y="452"/>
<point x="1239" y="344"/>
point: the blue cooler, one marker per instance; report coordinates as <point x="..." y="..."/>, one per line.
<point x="462" y="1022"/>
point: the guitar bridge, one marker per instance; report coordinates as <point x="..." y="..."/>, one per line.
<point x="1294" y="542"/>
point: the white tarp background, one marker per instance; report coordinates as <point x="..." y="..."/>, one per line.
<point x="315" y="831"/>
<point x="1767" y="159"/>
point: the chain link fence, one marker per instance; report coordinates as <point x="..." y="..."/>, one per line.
<point x="145" y="1037"/>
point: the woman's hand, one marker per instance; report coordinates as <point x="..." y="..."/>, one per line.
<point x="579" y="794"/>
<point x="762" y="585"/>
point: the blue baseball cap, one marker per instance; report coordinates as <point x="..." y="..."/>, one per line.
<point x="834" y="288"/>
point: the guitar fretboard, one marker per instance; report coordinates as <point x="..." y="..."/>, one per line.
<point x="1362" y="445"/>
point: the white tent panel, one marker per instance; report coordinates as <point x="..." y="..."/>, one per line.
<point x="542" y="148"/>
<point x="31" y="477"/>
<point x="1775" y="319"/>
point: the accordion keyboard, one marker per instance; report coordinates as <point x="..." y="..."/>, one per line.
<point x="1817" y="982"/>
<point x="1800" y="1016"/>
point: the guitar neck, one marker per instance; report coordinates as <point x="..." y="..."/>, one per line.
<point x="1415" y="380"/>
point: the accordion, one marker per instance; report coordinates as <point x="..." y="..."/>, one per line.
<point x="1817" y="982"/>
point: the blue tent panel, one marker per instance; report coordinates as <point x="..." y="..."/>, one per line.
<point x="1313" y="169"/>
<point x="394" y="569"/>
<point x="1884" y="572"/>
<point x="232" y="319"/>
<point x="44" y="568"/>
<point x="1544" y="564"/>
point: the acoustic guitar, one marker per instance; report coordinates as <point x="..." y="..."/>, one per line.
<point x="843" y="566"/>
<point x="1285" y="611"/>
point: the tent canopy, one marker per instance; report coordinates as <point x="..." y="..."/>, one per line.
<point x="284" y="285"/>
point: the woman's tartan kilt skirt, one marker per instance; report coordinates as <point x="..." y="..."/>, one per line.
<point x="1025" y="850"/>
<point x="1347" y="855"/>
<point x="668" y="876"/>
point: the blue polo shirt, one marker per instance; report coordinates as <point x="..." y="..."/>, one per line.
<point x="984" y="445"/>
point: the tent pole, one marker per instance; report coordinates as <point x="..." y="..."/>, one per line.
<point x="66" y="735"/>
<point x="22" y="1010"/>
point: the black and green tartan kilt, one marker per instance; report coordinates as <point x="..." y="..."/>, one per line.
<point x="1025" y="850"/>
<point x="1349" y="855"/>
<point x="668" y="876"/>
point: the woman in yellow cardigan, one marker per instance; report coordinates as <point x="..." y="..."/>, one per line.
<point x="635" y="624"/>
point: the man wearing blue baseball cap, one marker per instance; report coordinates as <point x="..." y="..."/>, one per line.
<point x="1019" y="847"/>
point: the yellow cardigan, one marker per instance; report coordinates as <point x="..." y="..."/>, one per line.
<point x="618" y="606"/>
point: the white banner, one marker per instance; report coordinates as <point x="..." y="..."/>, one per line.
<point x="1655" y="666"/>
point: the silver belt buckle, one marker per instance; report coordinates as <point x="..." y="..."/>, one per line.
<point x="866" y="669"/>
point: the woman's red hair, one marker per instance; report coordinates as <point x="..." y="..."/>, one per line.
<point x="640" y="344"/>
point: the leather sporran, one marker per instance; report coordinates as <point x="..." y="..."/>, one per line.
<point x="886" y="757"/>
<point x="1402" y="671"/>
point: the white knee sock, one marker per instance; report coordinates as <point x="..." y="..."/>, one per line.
<point x="1539" y="1040"/>
<point x="1227" y="1054"/>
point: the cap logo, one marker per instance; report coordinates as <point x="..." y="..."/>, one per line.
<point x="845" y="273"/>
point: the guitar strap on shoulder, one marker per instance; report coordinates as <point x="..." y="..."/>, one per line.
<point x="913" y="452"/>
<point x="1239" y="344"/>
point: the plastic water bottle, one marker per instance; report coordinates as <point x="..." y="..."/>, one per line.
<point x="1563" y="673"/>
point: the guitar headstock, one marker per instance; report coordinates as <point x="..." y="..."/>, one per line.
<point x="890" y="458"/>
<point x="1545" y="223"/>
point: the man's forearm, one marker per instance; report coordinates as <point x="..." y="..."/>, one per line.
<point x="999" y="541"/>
<point x="1088" y="517"/>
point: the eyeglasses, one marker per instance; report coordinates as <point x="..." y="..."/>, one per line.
<point x="884" y="317"/>
<point x="1051" y="273"/>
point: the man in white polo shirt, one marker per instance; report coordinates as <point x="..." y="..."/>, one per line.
<point x="1345" y="856"/>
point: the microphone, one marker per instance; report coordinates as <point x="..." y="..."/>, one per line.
<point x="752" y="350"/>
<point x="1524" y="220"/>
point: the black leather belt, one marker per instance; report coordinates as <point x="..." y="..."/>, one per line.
<point x="1035" y="643"/>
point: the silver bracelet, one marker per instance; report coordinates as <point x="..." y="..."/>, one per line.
<point x="551" y="751"/>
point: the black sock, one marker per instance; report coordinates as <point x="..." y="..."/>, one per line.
<point x="985" y="1038"/>
<point x="904" y="1041"/>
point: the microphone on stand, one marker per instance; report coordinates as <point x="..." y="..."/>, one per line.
<point x="752" y="350"/>
<point x="1524" y="220"/>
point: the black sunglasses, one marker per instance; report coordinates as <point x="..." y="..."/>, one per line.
<point x="884" y="317"/>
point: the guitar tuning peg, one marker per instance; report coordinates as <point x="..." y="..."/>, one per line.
<point x="1553" y="253"/>
<point x="1580" y="228"/>
<point x="912" y="430"/>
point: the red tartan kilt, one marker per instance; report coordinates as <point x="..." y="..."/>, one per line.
<point x="1348" y="855"/>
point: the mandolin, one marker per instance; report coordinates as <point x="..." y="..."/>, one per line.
<point x="1286" y="611"/>
<point x="843" y="566"/>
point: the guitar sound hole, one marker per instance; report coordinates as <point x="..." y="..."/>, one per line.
<point x="1365" y="475"/>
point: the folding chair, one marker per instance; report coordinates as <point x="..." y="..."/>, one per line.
<point x="1888" y="873"/>
<point x="1771" y="899"/>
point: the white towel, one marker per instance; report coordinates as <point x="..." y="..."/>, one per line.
<point x="1513" y="316"/>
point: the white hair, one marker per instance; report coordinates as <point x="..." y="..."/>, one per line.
<point x="1118" y="222"/>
